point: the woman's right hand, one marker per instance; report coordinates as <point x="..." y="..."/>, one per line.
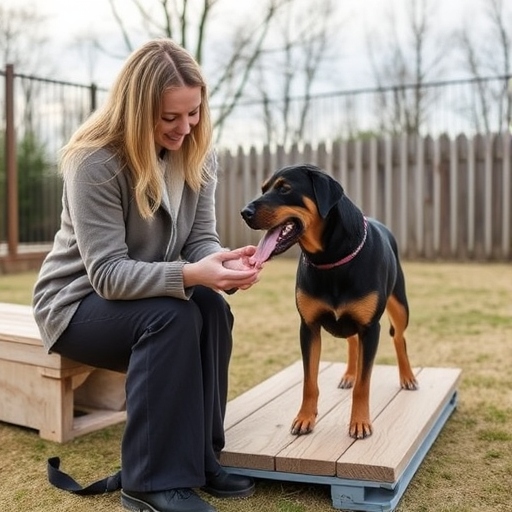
<point x="221" y="271"/>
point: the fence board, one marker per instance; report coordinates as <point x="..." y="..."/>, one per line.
<point x="402" y="211"/>
<point x="419" y="202"/>
<point x="506" y="140"/>
<point x="374" y="168"/>
<point x="454" y="179"/>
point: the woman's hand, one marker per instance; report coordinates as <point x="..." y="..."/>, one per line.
<point x="226" y="270"/>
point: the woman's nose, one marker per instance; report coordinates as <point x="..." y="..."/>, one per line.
<point x="184" y="127"/>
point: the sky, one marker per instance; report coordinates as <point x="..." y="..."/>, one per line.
<point x="69" y="18"/>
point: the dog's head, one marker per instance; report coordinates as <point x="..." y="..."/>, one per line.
<point x="292" y="208"/>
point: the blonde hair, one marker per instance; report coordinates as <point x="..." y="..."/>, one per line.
<point x="127" y="120"/>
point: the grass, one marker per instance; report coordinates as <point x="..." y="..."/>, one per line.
<point x="461" y="315"/>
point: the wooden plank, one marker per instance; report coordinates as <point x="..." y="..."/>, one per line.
<point x="10" y="350"/>
<point x="24" y="336"/>
<point x="506" y="199"/>
<point x="436" y="199"/>
<point x="454" y="219"/>
<point x="96" y="419"/>
<point x="404" y="187"/>
<point x="9" y="306"/>
<point x="487" y="196"/>
<point x="419" y="199"/>
<point x="388" y="183"/>
<point x="358" y="173"/>
<point x="255" y="441"/>
<point x="471" y="195"/>
<point x="344" y="163"/>
<point x="246" y="403"/>
<point x="246" y="190"/>
<point x="399" y="429"/>
<point x="374" y="184"/>
<point x="317" y="453"/>
<point x="17" y="324"/>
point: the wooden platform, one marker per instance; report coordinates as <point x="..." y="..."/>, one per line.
<point x="368" y="475"/>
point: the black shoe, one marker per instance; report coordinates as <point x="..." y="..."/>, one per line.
<point x="228" y="485"/>
<point x="174" y="500"/>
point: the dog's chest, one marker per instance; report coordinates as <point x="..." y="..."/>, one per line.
<point x="340" y="318"/>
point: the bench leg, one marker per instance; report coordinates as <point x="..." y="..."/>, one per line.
<point x="57" y="421"/>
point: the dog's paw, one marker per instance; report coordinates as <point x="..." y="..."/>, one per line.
<point x="360" y="429"/>
<point x="347" y="381"/>
<point x="302" y="425"/>
<point x="409" y="383"/>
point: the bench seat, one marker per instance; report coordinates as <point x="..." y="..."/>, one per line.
<point x="48" y="392"/>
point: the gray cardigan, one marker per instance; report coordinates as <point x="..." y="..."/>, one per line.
<point x="104" y="245"/>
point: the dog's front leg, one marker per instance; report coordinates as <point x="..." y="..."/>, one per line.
<point x="310" y="343"/>
<point x="349" y="377"/>
<point x="360" y="422"/>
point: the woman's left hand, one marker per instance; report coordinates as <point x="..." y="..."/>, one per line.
<point x="224" y="270"/>
<point x="242" y="262"/>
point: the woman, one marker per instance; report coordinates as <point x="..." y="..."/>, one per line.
<point x="131" y="283"/>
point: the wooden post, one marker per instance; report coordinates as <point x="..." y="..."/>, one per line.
<point x="12" y="174"/>
<point x="93" y="90"/>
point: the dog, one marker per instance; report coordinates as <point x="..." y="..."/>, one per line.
<point x="348" y="274"/>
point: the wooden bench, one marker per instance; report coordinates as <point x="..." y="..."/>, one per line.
<point x="41" y="391"/>
<point x="370" y="474"/>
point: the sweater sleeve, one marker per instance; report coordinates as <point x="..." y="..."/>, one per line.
<point x="99" y="202"/>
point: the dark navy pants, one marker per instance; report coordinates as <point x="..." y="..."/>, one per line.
<point x="176" y="355"/>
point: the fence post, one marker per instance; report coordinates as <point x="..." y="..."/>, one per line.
<point x="94" y="90"/>
<point x="11" y="171"/>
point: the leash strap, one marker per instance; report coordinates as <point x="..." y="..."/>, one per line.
<point x="63" y="481"/>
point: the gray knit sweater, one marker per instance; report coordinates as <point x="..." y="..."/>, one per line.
<point x="104" y="245"/>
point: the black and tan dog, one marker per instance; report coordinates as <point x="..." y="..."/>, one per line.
<point x="348" y="275"/>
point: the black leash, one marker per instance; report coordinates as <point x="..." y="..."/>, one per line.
<point x="63" y="481"/>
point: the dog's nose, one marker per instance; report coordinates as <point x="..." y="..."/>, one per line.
<point x="248" y="212"/>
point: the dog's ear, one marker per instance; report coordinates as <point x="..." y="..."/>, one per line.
<point x="327" y="191"/>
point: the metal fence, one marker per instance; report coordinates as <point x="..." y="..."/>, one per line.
<point x="40" y="115"/>
<point x="477" y="106"/>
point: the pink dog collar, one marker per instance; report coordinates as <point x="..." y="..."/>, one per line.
<point x="346" y="259"/>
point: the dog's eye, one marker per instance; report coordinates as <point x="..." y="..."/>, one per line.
<point x="283" y="188"/>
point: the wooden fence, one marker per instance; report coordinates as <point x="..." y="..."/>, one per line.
<point x="443" y="198"/>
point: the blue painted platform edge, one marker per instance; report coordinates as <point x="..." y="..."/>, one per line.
<point x="363" y="495"/>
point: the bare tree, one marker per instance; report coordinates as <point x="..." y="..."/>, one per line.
<point x="86" y="45"/>
<point x="245" y="52"/>
<point x="490" y="56"/>
<point x="23" y="39"/>
<point x="192" y="25"/>
<point x="22" y="43"/>
<point x="406" y="62"/>
<point x="168" y="18"/>
<point x="304" y="34"/>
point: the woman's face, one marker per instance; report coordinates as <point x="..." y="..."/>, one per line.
<point x="179" y="113"/>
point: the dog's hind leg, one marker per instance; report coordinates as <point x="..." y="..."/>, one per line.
<point x="399" y="316"/>
<point x="349" y="377"/>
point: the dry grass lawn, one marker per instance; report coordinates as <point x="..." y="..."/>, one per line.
<point x="461" y="316"/>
